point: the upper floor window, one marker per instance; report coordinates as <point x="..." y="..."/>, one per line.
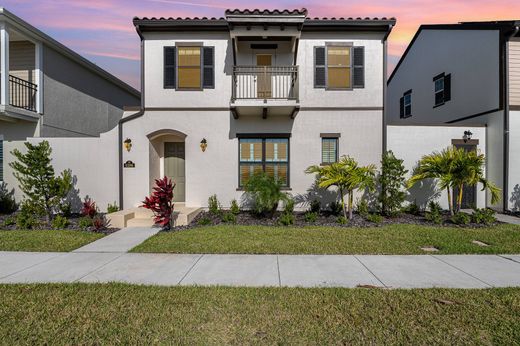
<point x="442" y="88"/>
<point x="189" y="67"/>
<point x="406" y="105"/>
<point x="339" y="66"/>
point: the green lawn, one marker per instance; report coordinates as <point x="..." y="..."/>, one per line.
<point x="394" y="239"/>
<point x="55" y="240"/>
<point x="124" y="314"/>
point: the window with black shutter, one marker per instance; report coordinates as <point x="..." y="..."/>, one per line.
<point x="208" y="73"/>
<point x="339" y="66"/>
<point x="359" y="67"/>
<point x="405" y="105"/>
<point x="442" y="88"/>
<point x="319" y="67"/>
<point x="169" y="68"/>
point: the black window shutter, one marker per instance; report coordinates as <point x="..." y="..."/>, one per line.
<point x="359" y="67"/>
<point x="447" y="87"/>
<point x="319" y="67"/>
<point x="401" y="107"/>
<point x="169" y="68"/>
<point x="208" y="63"/>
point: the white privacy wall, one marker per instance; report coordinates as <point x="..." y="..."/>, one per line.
<point x="514" y="161"/>
<point x="410" y="143"/>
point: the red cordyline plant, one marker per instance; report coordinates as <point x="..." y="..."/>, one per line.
<point x="161" y="202"/>
<point x="89" y="208"/>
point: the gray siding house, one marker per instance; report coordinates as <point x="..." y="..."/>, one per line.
<point x="47" y="90"/>
<point x="465" y="75"/>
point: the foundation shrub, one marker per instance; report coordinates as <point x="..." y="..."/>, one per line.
<point x="85" y="223"/>
<point x="7" y="201"/>
<point x="204" y="221"/>
<point x="315" y="206"/>
<point x="60" y="222"/>
<point x="461" y="218"/>
<point x="229" y="217"/>
<point x="265" y="193"/>
<point x="234" y="209"/>
<point x="161" y="202"/>
<point x="311" y="216"/>
<point x="214" y="206"/>
<point x="112" y="208"/>
<point x="335" y="208"/>
<point x="483" y="216"/>
<point x="89" y="208"/>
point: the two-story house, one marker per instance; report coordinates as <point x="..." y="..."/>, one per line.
<point x="47" y="90"/>
<point x="272" y="91"/>
<point x="463" y="75"/>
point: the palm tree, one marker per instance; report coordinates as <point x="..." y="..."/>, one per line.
<point x="439" y="166"/>
<point x="469" y="171"/>
<point x="347" y="176"/>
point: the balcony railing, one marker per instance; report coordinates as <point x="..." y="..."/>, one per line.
<point x="265" y="82"/>
<point x="22" y="93"/>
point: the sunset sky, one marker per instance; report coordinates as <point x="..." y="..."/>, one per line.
<point x="102" y="30"/>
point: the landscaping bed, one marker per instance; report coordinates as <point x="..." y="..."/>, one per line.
<point x="127" y="314"/>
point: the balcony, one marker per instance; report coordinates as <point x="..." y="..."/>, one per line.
<point x="22" y="93"/>
<point x="265" y="90"/>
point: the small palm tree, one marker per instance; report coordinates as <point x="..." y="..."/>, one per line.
<point x="347" y="176"/>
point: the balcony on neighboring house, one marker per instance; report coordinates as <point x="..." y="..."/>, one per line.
<point x="20" y="73"/>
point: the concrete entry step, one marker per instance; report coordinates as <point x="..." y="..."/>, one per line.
<point x="141" y="217"/>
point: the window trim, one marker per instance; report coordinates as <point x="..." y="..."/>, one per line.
<point x="407" y="93"/>
<point x="264" y="137"/>
<point x="201" y="67"/>
<point x="348" y="45"/>
<point x="435" y="79"/>
<point x="334" y="136"/>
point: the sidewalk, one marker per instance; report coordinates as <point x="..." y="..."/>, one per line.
<point x="419" y="271"/>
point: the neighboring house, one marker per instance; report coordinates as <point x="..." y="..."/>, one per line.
<point x="272" y="91"/>
<point x="47" y="90"/>
<point x="464" y="75"/>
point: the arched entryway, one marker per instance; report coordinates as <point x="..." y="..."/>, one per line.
<point x="168" y="158"/>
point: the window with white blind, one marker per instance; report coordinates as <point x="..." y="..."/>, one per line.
<point x="269" y="155"/>
<point x="329" y="150"/>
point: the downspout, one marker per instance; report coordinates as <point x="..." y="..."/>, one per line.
<point x="385" y="81"/>
<point x="129" y="118"/>
<point x="506" y="119"/>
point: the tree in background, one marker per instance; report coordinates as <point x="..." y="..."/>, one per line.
<point x="392" y="182"/>
<point x="43" y="190"/>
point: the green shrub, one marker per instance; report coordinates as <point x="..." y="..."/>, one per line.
<point x="85" y="223"/>
<point x="7" y="202"/>
<point x="335" y="208"/>
<point x="289" y="206"/>
<point x="483" y="216"/>
<point x="9" y="221"/>
<point x="461" y="218"/>
<point x="311" y="216"/>
<point x="25" y="221"/>
<point x="434" y="206"/>
<point x="362" y="207"/>
<point x="392" y="183"/>
<point x="315" y="206"/>
<point x="60" y="222"/>
<point x="265" y="193"/>
<point x="112" y="208"/>
<point x="204" y="221"/>
<point x="66" y="209"/>
<point x="341" y="220"/>
<point x="374" y="218"/>
<point x="235" y="209"/>
<point x="214" y="206"/>
<point x="412" y="209"/>
<point x="286" y="219"/>
<point x="229" y="217"/>
<point x="435" y="213"/>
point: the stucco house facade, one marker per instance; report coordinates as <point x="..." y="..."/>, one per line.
<point x="272" y="91"/>
<point x="464" y="78"/>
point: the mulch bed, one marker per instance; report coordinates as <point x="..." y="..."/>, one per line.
<point x="42" y="224"/>
<point x="324" y="219"/>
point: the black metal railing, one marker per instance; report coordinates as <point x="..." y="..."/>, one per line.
<point x="22" y="93"/>
<point x="265" y="82"/>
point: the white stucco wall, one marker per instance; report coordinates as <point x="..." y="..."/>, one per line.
<point x="514" y="161"/>
<point x="410" y="143"/>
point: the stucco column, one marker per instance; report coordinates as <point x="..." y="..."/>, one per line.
<point x="4" y="64"/>
<point x="38" y="72"/>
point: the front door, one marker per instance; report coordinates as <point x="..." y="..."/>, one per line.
<point x="264" y="76"/>
<point x="174" y="168"/>
<point x="469" y="193"/>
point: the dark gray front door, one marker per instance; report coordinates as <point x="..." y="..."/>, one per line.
<point x="469" y="193"/>
<point x="174" y="168"/>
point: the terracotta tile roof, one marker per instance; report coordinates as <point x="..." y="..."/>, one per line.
<point x="266" y="12"/>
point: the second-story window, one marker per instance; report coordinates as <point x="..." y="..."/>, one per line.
<point x="189" y="67"/>
<point x="406" y="105"/>
<point x="339" y="67"/>
<point x="442" y="88"/>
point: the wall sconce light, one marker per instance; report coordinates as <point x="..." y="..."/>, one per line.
<point x="127" y="144"/>
<point x="203" y="144"/>
<point x="467" y="136"/>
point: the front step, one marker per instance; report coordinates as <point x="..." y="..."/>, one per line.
<point x="141" y="217"/>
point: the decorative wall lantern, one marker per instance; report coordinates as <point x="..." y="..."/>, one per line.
<point x="128" y="144"/>
<point x="203" y="144"/>
<point x="467" y="136"/>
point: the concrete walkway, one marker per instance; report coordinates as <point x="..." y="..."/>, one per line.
<point x="420" y="271"/>
<point x="508" y="219"/>
<point x="121" y="241"/>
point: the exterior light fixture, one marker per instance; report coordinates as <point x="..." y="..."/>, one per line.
<point x="127" y="144"/>
<point x="203" y="144"/>
<point x="467" y="136"/>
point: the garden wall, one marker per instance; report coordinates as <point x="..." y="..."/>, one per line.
<point x="410" y="143"/>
